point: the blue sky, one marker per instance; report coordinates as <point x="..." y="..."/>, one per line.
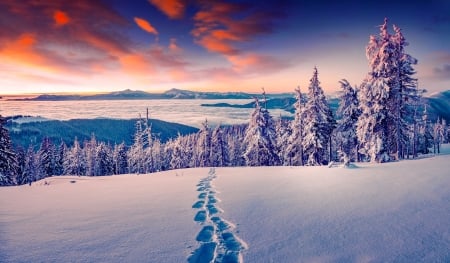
<point x="156" y="45"/>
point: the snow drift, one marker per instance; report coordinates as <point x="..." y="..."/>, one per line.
<point x="394" y="212"/>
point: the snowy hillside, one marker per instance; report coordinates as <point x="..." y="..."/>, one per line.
<point x="394" y="212"/>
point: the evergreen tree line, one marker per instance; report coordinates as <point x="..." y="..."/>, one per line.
<point x="381" y="120"/>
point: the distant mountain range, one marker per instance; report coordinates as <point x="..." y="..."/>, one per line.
<point x="142" y="95"/>
<point x="438" y="105"/>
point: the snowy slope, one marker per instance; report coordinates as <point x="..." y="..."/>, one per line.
<point x="394" y="212"/>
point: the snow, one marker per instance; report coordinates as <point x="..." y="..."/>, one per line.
<point x="392" y="212"/>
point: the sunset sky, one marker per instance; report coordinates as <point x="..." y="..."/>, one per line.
<point x="155" y="45"/>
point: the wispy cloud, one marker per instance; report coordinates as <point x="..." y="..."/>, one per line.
<point x="174" y="9"/>
<point x="145" y="25"/>
<point x="61" y="18"/>
<point x="220" y="27"/>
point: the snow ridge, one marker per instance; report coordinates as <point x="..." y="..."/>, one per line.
<point x="217" y="241"/>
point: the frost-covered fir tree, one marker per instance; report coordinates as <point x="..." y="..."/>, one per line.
<point x="20" y="157"/>
<point x="348" y="111"/>
<point x="31" y="171"/>
<point x="386" y="96"/>
<point x="103" y="160"/>
<point x="203" y="145"/>
<point x="136" y="153"/>
<point x="294" y="154"/>
<point x="318" y="126"/>
<point x="46" y="155"/>
<point x="120" y="161"/>
<point x="8" y="161"/>
<point x="75" y="160"/>
<point x="259" y="140"/>
<point x="219" y="149"/>
<point x="60" y="152"/>
<point x="90" y="149"/>
<point x="234" y="136"/>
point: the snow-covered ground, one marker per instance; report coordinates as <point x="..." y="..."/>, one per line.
<point x="394" y="212"/>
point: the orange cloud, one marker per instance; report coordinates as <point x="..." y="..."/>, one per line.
<point x="217" y="45"/>
<point x="136" y="64"/>
<point x="61" y="18"/>
<point x="174" y="9"/>
<point x="220" y="27"/>
<point x="173" y="47"/>
<point x="256" y="64"/>
<point x="145" y="25"/>
<point x="25" y="40"/>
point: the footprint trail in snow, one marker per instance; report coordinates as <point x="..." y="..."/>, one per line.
<point x="217" y="240"/>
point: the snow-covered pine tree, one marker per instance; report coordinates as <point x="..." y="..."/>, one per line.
<point x="157" y="155"/>
<point x="203" y="145"/>
<point x="219" y="149"/>
<point x="20" y="157"/>
<point x="283" y="132"/>
<point x="120" y="161"/>
<point x="438" y="136"/>
<point x="46" y="156"/>
<point x="31" y="167"/>
<point x="294" y="154"/>
<point x="103" y="160"/>
<point x="318" y="122"/>
<point x="234" y="136"/>
<point x="60" y="152"/>
<point x="8" y="160"/>
<point x="177" y="160"/>
<point x="90" y="149"/>
<point x="136" y="156"/>
<point x="346" y="139"/>
<point x="403" y="96"/>
<point x="373" y="124"/>
<point x="75" y="160"/>
<point x="259" y="140"/>
<point x="386" y="97"/>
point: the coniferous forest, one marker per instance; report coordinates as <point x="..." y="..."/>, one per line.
<point x="381" y="120"/>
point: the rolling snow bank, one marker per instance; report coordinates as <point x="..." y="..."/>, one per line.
<point x="394" y="212"/>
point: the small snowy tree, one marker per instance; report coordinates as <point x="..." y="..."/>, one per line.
<point x="75" y="160"/>
<point x="349" y="111"/>
<point x="32" y="170"/>
<point x="103" y="160"/>
<point x="219" y="149"/>
<point x="203" y="145"/>
<point x="136" y="154"/>
<point x="259" y="139"/>
<point x="120" y="161"/>
<point x="46" y="155"/>
<point x="318" y="124"/>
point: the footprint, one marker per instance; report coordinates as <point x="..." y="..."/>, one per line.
<point x="203" y="254"/>
<point x="231" y="257"/>
<point x="198" y="204"/>
<point x="206" y="234"/>
<point x="221" y="224"/>
<point x="212" y="209"/>
<point x="231" y="243"/>
<point x="202" y="195"/>
<point x="212" y="199"/>
<point x="200" y="216"/>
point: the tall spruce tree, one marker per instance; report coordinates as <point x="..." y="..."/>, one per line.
<point x="219" y="149"/>
<point x="259" y="140"/>
<point x="318" y="124"/>
<point x="348" y="112"/>
<point x="386" y="97"/>
<point x="8" y="159"/>
<point x="294" y="152"/>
